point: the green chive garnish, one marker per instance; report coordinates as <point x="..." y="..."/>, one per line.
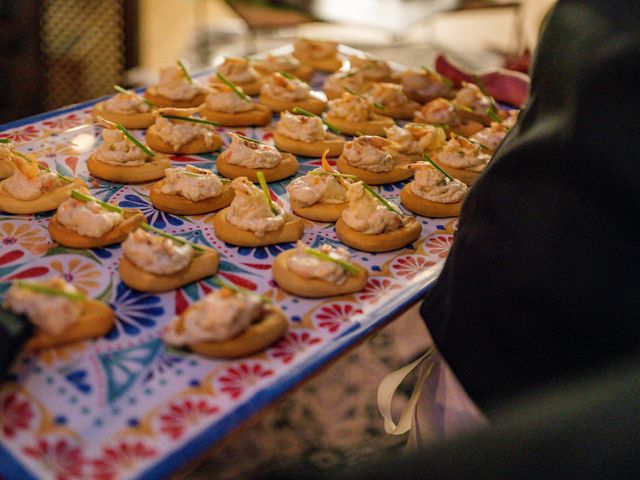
<point x="249" y="139"/>
<point x="445" y="80"/>
<point x="42" y="167"/>
<point x="353" y="92"/>
<point x="137" y="142"/>
<point x="349" y="267"/>
<point x="218" y="282"/>
<point x="494" y="116"/>
<point x="119" y="89"/>
<point x="5" y="140"/>
<point x="25" y="156"/>
<point x="265" y="190"/>
<point x="334" y="174"/>
<point x="427" y="158"/>
<point x="194" y="174"/>
<point x="358" y="134"/>
<point x="58" y="174"/>
<point x="287" y="75"/>
<point x="462" y="107"/>
<point x="306" y="113"/>
<point x="86" y="199"/>
<point x="492" y="101"/>
<point x="378" y="197"/>
<point x="437" y="125"/>
<point x="34" y="287"/>
<point x="476" y="143"/>
<point x="184" y="71"/>
<point x="232" y="86"/>
<point x="190" y="119"/>
<point x="182" y="241"/>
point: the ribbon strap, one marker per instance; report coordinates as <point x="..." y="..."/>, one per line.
<point x="389" y="386"/>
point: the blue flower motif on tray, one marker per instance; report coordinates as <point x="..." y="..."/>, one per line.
<point x="78" y="378"/>
<point x="392" y="187"/>
<point x="262" y="253"/>
<point x="105" y="252"/>
<point x="195" y="237"/>
<point x="319" y="241"/>
<point x="106" y="191"/>
<point x="155" y="217"/>
<point x="41" y="215"/>
<point x="163" y="363"/>
<point x="134" y="311"/>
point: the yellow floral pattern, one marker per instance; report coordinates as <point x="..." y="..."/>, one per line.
<point x="83" y="274"/>
<point x="33" y="239"/>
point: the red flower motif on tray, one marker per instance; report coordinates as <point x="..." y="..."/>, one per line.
<point x="332" y="317"/>
<point x="410" y="265"/>
<point x="181" y="416"/>
<point x="26" y="134"/>
<point x="244" y="375"/>
<point x="293" y="343"/>
<point x="375" y="289"/>
<point x="121" y="457"/>
<point x="16" y="414"/>
<point x="62" y="123"/>
<point x="30" y="273"/>
<point x="11" y="256"/>
<point x="61" y="458"/>
<point x="439" y="245"/>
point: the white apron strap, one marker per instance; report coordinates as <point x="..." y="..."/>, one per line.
<point x="388" y="387"/>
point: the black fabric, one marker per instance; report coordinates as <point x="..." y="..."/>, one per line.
<point x="543" y="279"/>
<point x="586" y="429"/>
<point x="15" y="330"/>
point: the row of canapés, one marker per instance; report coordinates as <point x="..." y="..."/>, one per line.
<point x="365" y="101"/>
<point x="227" y="322"/>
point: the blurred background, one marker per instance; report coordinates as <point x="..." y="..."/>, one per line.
<point x="58" y="52"/>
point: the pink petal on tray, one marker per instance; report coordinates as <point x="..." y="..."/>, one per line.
<point x="506" y="86"/>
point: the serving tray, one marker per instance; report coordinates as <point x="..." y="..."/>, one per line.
<point x="126" y="405"/>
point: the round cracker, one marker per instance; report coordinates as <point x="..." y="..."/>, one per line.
<point x="257" y="337"/>
<point x="428" y="208"/>
<point x="195" y="146"/>
<point x="383" y="242"/>
<point x="286" y="168"/>
<point x="178" y="205"/>
<point x="291" y="231"/>
<point x="96" y="319"/>
<point x="333" y="143"/>
<point x="314" y="287"/>
<point x="202" y="265"/>
<point x="153" y="169"/>
<point x="375" y="126"/>
<point x="70" y="238"/>
<point x="396" y="174"/>
<point x="127" y="120"/>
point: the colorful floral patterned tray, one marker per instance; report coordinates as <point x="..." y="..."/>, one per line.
<point x="126" y="406"/>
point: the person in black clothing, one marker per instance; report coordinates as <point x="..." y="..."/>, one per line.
<point x="543" y="279"/>
<point x="539" y="300"/>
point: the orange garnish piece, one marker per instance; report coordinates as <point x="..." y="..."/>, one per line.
<point x="325" y="163"/>
<point x="28" y="169"/>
